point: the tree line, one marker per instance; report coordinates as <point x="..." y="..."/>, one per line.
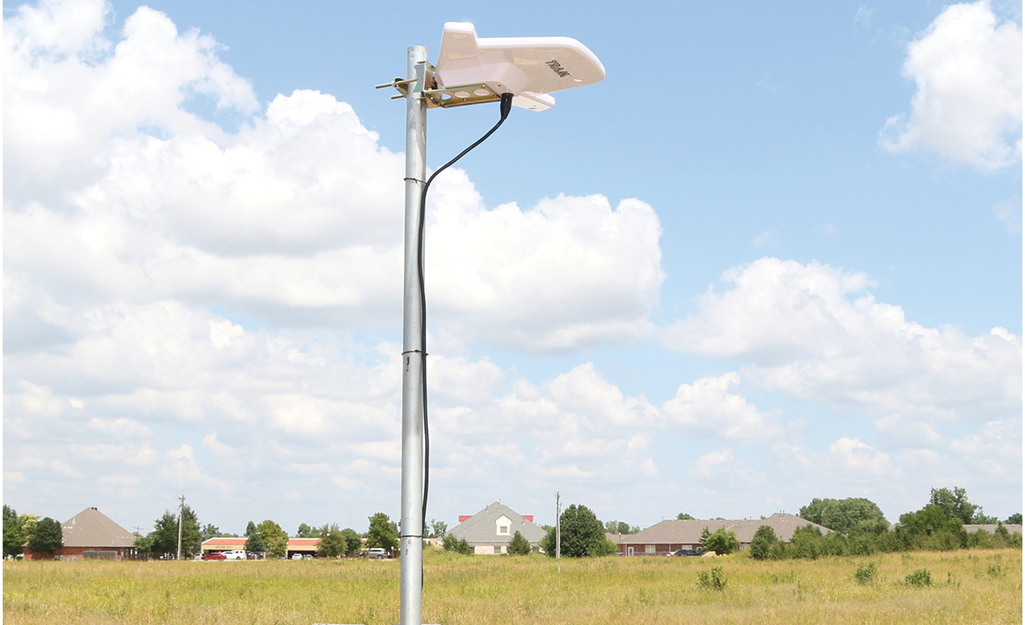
<point x="858" y="528"/>
<point x="45" y="535"/>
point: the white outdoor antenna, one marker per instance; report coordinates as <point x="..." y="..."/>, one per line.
<point x="474" y="70"/>
<point x="528" y="67"/>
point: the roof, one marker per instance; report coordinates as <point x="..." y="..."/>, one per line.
<point x="482" y="527"/>
<point x="224" y="543"/>
<point x="689" y="531"/>
<point x="992" y="528"/>
<point x="92" y="528"/>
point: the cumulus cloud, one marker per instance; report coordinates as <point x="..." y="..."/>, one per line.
<point x="859" y="457"/>
<point x="967" y="107"/>
<point x="710" y="408"/>
<point x="814" y="331"/>
<point x="295" y="217"/>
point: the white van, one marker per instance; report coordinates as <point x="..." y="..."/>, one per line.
<point x="235" y="554"/>
<point x="376" y="553"/>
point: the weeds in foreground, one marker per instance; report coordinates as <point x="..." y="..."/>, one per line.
<point x="714" y="581"/>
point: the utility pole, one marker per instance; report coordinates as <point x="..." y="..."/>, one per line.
<point x="558" y="526"/>
<point x="181" y="513"/>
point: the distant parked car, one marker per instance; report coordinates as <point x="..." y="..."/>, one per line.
<point x="214" y="556"/>
<point x="377" y="553"/>
<point x="687" y="552"/>
<point x="235" y="554"/>
<point x="297" y="556"/>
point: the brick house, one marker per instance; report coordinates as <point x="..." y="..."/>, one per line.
<point x="90" y="534"/>
<point x="665" y="537"/>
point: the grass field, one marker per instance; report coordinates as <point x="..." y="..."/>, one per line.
<point x="966" y="587"/>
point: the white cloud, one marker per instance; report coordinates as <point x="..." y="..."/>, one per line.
<point x="712" y="461"/>
<point x="860" y="458"/>
<point x="814" y="331"/>
<point x="709" y="408"/>
<point x="1008" y="213"/>
<point x="296" y="217"/>
<point x="967" y="107"/>
<point x="120" y="428"/>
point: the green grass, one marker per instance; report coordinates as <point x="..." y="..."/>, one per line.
<point x="967" y="587"/>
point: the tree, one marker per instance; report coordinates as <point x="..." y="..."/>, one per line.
<point x="332" y="541"/>
<point x="254" y="542"/>
<point x="352" y="541"/>
<point x="722" y="541"/>
<point x="438" y="528"/>
<point x="806" y="542"/>
<point x="48" y="537"/>
<point x="382" y="532"/>
<point x="583" y="534"/>
<point x="519" y="546"/>
<point x="954" y="503"/>
<point x="165" y="534"/>
<point x="305" y="531"/>
<point x="762" y="543"/>
<point x="843" y="515"/>
<point x="619" y="527"/>
<point x="209" y="531"/>
<point x="275" y="539"/>
<point x="683" y="516"/>
<point x="14" y="534"/>
<point x="1014" y="519"/>
<point x="930" y="528"/>
<point x="458" y="545"/>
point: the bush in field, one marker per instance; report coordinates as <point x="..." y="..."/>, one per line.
<point x="918" y="579"/>
<point x="866" y="573"/>
<point x="714" y="581"/>
<point x="761" y="544"/>
<point x="519" y="546"/>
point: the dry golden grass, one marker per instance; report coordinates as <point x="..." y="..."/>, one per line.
<point x="982" y="587"/>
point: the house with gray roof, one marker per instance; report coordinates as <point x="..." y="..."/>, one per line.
<point x="92" y="534"/>
<point x="490" y="530"/>
<point x="666" y="537"/>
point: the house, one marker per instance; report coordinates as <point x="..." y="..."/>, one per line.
<point x="666" y="537"/>
<point x="490" y="530"/>
<point x="90" y="534"/>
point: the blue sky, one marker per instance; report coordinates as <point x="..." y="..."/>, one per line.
<point x="775" y="255"/>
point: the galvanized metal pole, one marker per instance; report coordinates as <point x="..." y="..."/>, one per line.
<point x="411" y="524"/>
<point x="181" y="515"/>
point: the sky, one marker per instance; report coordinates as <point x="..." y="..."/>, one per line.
<point x="775" y="255"/>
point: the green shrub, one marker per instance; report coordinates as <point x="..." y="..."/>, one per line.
<point x="918" y="579"/>
<point x="714" y="581"/>
<point x="866" y="573"/>
<point x="761" y="544"/>
<point x="519" y="546"/>
<point x="459" y="545"/>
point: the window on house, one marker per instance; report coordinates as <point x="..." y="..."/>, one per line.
<point x="649" y="549"/>
<point x="503" y="530"/>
